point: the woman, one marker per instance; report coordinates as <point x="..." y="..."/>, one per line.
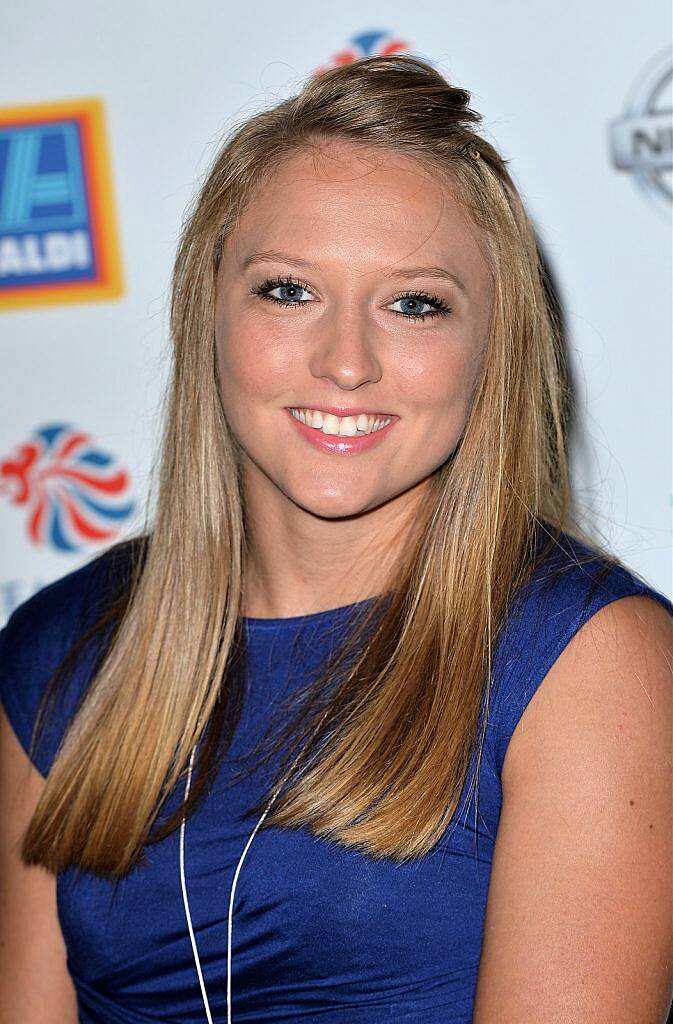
<point x="360" y="603"/>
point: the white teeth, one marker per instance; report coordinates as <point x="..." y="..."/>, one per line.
<point x="346" y="426"/>
<point x="330" y="424"/>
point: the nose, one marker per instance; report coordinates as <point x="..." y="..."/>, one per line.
<point x="344" y="351"/>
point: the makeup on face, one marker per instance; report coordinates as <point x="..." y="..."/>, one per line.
<point x="344" y="435"/>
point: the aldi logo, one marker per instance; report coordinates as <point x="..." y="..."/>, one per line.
<point x="58" y="235"/>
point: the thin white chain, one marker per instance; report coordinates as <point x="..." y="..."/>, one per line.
<point x="184" y="896"/>
<point x="183" y="883"/>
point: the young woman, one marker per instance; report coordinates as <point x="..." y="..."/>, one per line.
<point x="362" y="727"/>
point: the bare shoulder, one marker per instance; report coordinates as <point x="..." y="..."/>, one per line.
<point x="578" y="923"/>
<point x="616" y="672"/>
<point x="34" y="979"/>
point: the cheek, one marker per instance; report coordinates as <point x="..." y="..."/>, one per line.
<point x="439" y="379"/>
<point x="251" y="364"/>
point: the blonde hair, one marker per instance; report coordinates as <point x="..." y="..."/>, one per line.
<point x="382" y="765"/>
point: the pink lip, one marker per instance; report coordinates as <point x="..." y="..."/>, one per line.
<point x="338" y="444"/>
<point x="339" y="411"/>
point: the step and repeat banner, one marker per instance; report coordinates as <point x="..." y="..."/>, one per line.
<point x="109" y="118"/>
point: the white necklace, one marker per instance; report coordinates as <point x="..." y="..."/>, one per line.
<point x="188" y="915"/>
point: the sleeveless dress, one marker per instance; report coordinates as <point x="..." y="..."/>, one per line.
<point x="320" y="933"/>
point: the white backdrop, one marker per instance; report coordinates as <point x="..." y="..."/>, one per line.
<point x="550" y="80"/>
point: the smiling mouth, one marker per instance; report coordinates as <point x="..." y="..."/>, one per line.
<point x="340" y="426"/>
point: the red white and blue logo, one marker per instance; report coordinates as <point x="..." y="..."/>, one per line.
<point x="375" y="42"/>
<point x="73" y="493"/>
<point x="58" y="236"/>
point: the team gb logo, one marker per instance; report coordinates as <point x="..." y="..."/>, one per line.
<point x="73" y="493"/>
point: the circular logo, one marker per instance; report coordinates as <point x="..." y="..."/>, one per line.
<point x="641" y="141"/>
<point x="74" y="493"/>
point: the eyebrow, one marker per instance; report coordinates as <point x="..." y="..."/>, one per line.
<point x="271" y="256"/>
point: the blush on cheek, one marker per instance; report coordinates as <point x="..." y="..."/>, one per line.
<point x="256" y="360"/>
<point x="249" y="391"/>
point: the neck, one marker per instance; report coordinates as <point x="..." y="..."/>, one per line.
<point x="298" y="564"/>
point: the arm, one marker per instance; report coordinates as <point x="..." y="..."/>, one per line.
<point x="35" y="984"/>
<point x="579" y="913"/>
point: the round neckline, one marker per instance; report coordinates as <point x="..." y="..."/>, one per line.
<point x="288" y="622"/>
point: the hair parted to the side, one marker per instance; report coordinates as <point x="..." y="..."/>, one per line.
<point x="381" y="767"/>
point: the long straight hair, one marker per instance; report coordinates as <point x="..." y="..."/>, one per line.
<point x="380" y="765"/>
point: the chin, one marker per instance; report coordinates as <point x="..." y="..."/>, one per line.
<point x="333" y="506"/>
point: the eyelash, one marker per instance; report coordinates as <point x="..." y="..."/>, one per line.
<point x="440" y="307"/>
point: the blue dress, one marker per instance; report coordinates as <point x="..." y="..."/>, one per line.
<point x="321" y="934"/>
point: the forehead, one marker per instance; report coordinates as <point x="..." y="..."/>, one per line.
<point x="368" y="206"/>
<point x="343" y="165"/>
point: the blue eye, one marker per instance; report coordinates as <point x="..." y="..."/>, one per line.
<point x="413" y="300"/>
<point x="286" y="284"/>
